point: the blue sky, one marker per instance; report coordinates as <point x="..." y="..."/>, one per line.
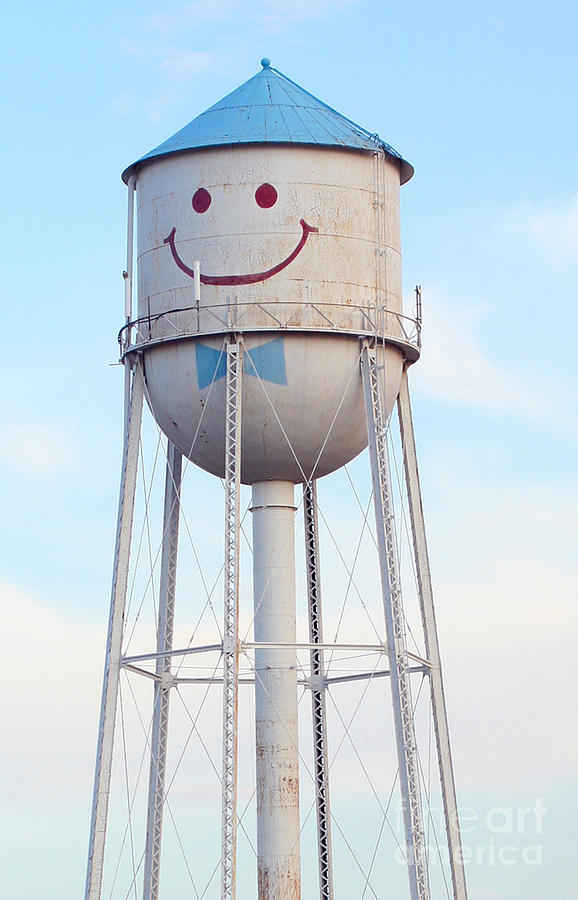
<point x="482" y="100"/>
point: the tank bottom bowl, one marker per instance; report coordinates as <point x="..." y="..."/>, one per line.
<point x="302" y="401"/>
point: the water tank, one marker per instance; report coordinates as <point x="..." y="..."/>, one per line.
<point x="292" y="212"/>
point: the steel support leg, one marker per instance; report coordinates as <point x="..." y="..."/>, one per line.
<point x="395" y="628"/>
<point x="162" y="687"/>
<point x="231" y="627"/>
<point x="431" y="641"/>
<point x="318" y="688"/>
<point x="133" y="415"/>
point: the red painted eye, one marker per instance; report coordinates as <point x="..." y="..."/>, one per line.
<point x="266" y="196"/>
<point x="201" y="200"/>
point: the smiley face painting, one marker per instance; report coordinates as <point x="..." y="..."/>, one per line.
<point x="267" y="224"/>
<point x="265" y="197"/>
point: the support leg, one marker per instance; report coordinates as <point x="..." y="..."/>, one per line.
<point x="431" y="641"/>
<point x="133" y="415"/>
<point x="231" y="627"/>
<point x="318" y="688"/>
<point x="162" y="687"/>
<point x="277" y="763"/>
<point x="393" y="608"/>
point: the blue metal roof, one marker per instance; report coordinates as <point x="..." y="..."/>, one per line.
<point x="271" y="109"/>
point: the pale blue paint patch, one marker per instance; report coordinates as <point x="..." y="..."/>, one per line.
<point x="267" y="361"/>
<point x="211" y="365"/>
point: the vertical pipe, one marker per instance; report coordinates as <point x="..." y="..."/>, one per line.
<point x="425" y="592"/>
<point x="129" y="250"/>
<point x="234" y="364"/>
<point x="395" y="628"/>
<point x="418" y="314"/>
<point x="318" y="688"/>
<point x="128" y="276"/>
<point x="277" y="756"/>
<point x="103" y="769"/>
<point x="197" y="283"/>
<point x="162" y="687"/>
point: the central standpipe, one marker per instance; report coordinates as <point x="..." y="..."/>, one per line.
<point x="277" y="757"/>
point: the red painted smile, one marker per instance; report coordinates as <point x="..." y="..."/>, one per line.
<point x="241" y="279"/>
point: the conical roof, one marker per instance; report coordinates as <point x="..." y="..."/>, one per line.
<point x="269" y="108"/>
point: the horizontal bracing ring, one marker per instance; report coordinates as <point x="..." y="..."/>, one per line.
<point x="314" y="684"/>
<point x="268" y="645"/>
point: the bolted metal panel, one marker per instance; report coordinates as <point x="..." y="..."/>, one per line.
<point x="163" y="684"/>
<point x="425" y="591"/>
<point x="395" y="628"/>
<point x="134" y="390"/>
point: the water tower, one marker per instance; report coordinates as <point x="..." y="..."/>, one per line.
<point x="271" y="347"/>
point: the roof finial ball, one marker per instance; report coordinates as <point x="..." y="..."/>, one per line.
<point x="266" y="62"/>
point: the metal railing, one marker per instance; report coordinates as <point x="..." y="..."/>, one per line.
<point x="369" y="320"/>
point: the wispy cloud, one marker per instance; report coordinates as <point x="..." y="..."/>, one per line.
<point x="550" y="228"/>
<point x="277" y="15"/>
<point x="124" y="104"/>
<point x="188" y="15"/>
<point x="455" y="366"/>
<point x="182" y="64"/>
<point x="172" y="60"/>
<point x="525" y="536"/>
<point x="504" y="563"/>
<point x="175" y="66"/>
<point x="56" y="657"/>
<point x="513" y="285"/>
<point x="188" y="23"/>
<point x="262" y="13"/>
<point x="35" y="447"/>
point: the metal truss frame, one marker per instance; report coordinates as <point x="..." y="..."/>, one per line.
<point x="234" y="363"/>
<point x="318" y="686"/>
<point x="134" y="391"/>
<point x="164" y="680"/>
<point x="425" y="594"/>
<point x="401" y="663"/>
<point x="408" y="763"/>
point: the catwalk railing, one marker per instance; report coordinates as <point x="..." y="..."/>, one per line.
<point x="193" y="321"/>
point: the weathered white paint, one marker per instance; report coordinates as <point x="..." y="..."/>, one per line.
<point x="277" y="759"/>
<point x="333" y="190"/>
<point x="314" y="423"/>
<point x="285" y="430"/>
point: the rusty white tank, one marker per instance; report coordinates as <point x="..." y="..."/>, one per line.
<point x="299" y="249"/>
